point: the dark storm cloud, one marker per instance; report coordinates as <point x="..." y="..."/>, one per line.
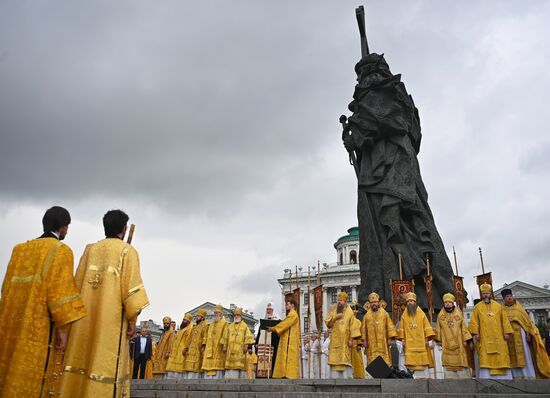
<point x="226" y="114"/>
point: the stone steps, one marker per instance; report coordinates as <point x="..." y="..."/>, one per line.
<point x="385" y="388"/>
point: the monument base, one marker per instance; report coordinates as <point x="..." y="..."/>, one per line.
<point x="303" y="388"/>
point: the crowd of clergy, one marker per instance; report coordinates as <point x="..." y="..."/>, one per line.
<point x="500" y="342"/>
<point x="70" y="335"/>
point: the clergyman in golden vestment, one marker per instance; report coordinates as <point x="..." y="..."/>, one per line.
<point x="238" y="339"/>
<point x="287" y="361"/>
<point x="192" y="363"/>
<point x="378" y="331"/>
<point x="164" y="348"/>
<point x="528" y="357"/>
<point x="174" y="367"/>
<point x="39" y="301"/>
<point x="357" y="361"/>
<point x="491" y="328"/>
<point x="452" y="334"/>
<point x="416" y="332"/>
<point x="344" y="330"/>
<point x="213" y="362"/>
<point x="97" y="357"/>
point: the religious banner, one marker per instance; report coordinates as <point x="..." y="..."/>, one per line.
<point x="399" y="288"/>
<point x="266" y="343"/>
<point x="318" y="305"/>
<point x="295" y="294"/>
<point x="458" y="283"/>
<point x="485" y="278"/>
<point x="429" y="296"/>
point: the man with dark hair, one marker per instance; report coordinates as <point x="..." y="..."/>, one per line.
<point x="287" y="362"/>
<point x="110" y="283"/>
<point x="39" y="301"/>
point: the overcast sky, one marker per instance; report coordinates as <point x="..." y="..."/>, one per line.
<point x="215" y="126"/>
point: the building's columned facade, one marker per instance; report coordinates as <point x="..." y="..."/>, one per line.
<point x="335" y="277"/>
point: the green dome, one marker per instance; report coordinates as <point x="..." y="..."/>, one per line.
<point x="353" y="235"/>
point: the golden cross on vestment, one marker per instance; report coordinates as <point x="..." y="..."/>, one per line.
<point x="95" y="281"/>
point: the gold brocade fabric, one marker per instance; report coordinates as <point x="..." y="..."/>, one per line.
<point x="451" y="331"/>
<point x="377" y="328"/>
<point x="237" y="337"/>
<point x="287" y="362"/>
<point x="214" y="357"/>
<point x="343" y="330"/>
<point x="175" y="362"/>
<point x="519" y="319"/>
<point x="38" y="288"/>
<point x="96" y="358"/>
<point x="357" y="362"/>
<point x="164" y="349"/>
<point x="491" y="324"/>
<point x="193" y="360"/>
<point x="251" y="361"/>
<point x="414" y="331"/>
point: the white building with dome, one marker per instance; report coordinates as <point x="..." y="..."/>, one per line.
<point x="343" y="275"/>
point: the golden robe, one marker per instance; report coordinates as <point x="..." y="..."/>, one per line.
<point x="193" y="360"/>
<point x="214" y="356"/>
<point x="96" y="359"/>
<point x="343" y="330"/>
<point x="287" y="362"/>
<point x="414" y="331"/>
<point x="251" y="361"/>
<point x="175" y="362"/>
<point x="519" y="319"/>
<point x="451" y="331"/>
<point x="357" y="362"/>
<point x="376" y="329"/>
<point x="38" y="295"/>
<point x="237" y="338"/>
<point x="491" y="324"/>
<point x="164" y="349"/>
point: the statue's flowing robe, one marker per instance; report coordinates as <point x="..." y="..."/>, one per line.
<point x="96" y="358"/>
<point x="175" y="362"/>
<point x="451" y="331"/>
<point x="520" y="351"/>
<point x="343" y="330"/>
<point x="39" y="295"/>
<point x="237" y="337"/>
<point x="287" y="363"/>
<point x="413" y="331"/>
<point x="377" y="328"/>
<point x="214" y="356"/>
<point x="193" y="360"/>
<point x="393" y="212"/>
<point x="491" y="324"/>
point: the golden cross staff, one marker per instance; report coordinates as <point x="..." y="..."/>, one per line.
<point x="309" y="320"/>
<point x="481" y="259"/>
<point x="299" y="326"/>
<point x="319" y="327"/>
<point x="430" y="307"/>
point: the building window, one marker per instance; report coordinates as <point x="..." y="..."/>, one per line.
<point x="348" y="291"/>
<point x="353" y="257"/>
<point x="334" y="297"/>
<point x="341" y="258"/>
<point x="306" y="324"/>
<point x="306" y="299"/>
